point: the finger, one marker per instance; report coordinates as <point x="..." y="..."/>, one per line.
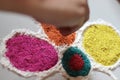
<point x="68" y="30"/>
<point x="83" y="12"/>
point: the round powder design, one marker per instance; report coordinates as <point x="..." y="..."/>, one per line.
<point x="75" y="62"/>
<point x="102" y="42"/>
<point x="28" y="53"/>
<point x="54" y="35"/>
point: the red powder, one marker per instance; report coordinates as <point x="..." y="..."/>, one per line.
<point x="29" y="53"/>
<point x="76" y="62"/>
<point x="54" y="35"/>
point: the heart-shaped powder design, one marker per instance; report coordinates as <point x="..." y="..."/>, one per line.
<point x="102" y="42"/>
<point x="54" y="35"/>
<point x="29" y="53"/>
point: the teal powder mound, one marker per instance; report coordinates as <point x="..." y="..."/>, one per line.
<point x="83" y="64"/>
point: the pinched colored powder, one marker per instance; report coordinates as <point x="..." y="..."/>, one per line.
<point x="28" y="53"/>
<point x="55" y="35"/>
<point x="102" y="42"/>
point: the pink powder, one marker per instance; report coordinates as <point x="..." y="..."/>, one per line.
<point x="28" y="53"/>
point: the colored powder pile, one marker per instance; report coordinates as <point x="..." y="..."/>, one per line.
<point x="102" y="42"/>
<point x="54" y="35"/>
<point x="28" y="53"/>
<point x="75" y="62"/>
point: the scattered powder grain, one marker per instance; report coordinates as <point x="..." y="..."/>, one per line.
<point x="102" y="42"/>
<point x="28" y="53"/>
<point x="55" y="35"/>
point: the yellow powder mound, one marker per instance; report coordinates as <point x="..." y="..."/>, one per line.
<point x="102" y="42"/>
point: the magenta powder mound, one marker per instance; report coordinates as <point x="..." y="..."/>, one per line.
<point x="28" y="53"/>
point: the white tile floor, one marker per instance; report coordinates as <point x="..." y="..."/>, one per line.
<point x="109" y="10"/>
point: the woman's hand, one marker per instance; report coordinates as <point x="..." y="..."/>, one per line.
<point x="68" y="15"/>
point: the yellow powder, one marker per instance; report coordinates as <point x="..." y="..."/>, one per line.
<point x="102" y="42"/>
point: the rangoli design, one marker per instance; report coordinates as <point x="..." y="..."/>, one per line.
<point x="95" y="46"/>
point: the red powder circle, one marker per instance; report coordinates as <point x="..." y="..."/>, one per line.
<point x="76" y="62"/>
<point x="28" y="53"/>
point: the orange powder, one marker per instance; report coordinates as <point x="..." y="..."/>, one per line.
<point x="54" y="35"/>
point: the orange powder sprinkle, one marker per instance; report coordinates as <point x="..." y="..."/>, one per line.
<point x="54" y="35"/>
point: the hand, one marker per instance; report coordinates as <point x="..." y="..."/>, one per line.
<point x="68" y="15"/>
<point x="62" y="13"/>
<point x="119" y="1"/>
